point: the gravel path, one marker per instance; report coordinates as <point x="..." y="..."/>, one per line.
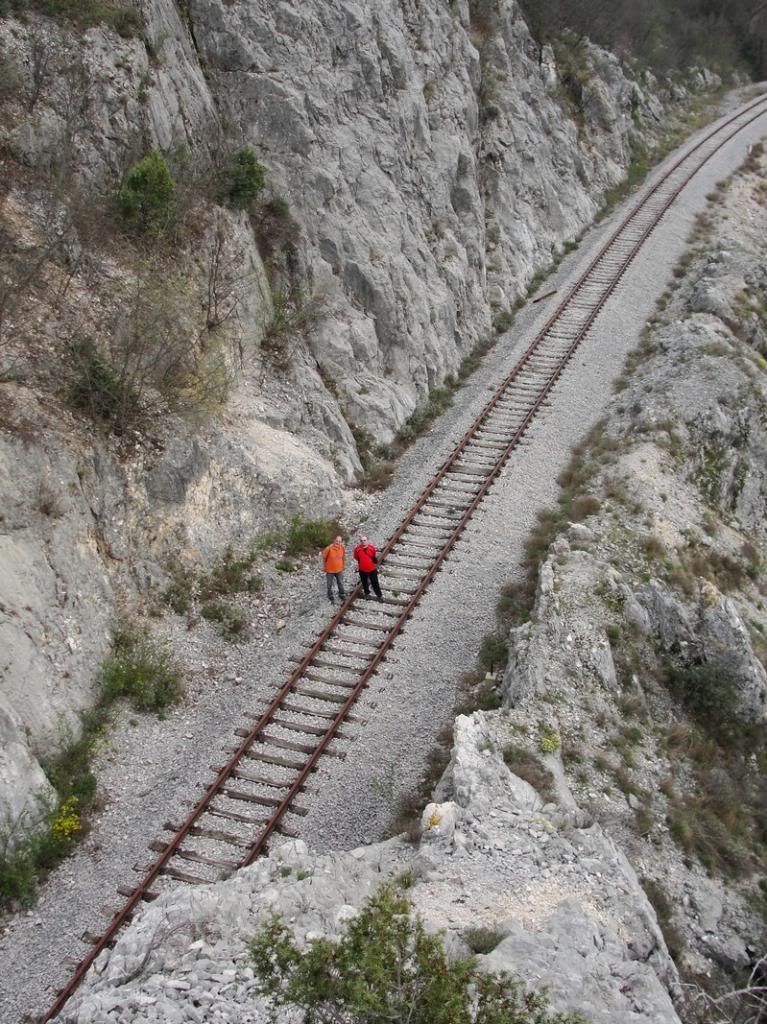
<point x="148" y="769"/>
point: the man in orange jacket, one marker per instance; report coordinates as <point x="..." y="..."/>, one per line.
<point x="367" y="560"/>
<point x="333" y="558"/>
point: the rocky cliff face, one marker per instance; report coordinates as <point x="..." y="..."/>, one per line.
<point x="436" y="163"/>
<point x="431" y="163"/>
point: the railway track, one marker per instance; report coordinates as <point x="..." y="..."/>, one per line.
<point x="258" y="791"/>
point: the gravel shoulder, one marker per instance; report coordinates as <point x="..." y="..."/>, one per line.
<point x="150" y="770"/>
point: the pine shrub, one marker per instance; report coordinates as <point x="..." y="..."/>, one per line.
<point x="244" y="180"/>
<point x="147" y="199"/>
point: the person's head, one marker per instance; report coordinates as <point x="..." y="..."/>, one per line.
<point x="363" y="540"/>
<point x="338" y="540"/>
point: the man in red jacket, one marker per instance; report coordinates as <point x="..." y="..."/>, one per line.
<point x="367" y="560"/>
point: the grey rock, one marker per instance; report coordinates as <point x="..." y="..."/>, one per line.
<point x="725" y="642"/>
<point x="580" y="534"/>
<point x="636" y="616"/>
<point x="708" y="904"/>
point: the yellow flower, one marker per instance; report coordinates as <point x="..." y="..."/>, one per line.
<point x="434" y="819"/>
<point x="67" y="822"/>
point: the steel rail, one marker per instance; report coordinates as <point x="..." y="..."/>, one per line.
<point x="143" y="890"/>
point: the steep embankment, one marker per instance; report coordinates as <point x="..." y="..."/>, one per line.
<point x="165" y="396"/>
<point x="645" y="651"/>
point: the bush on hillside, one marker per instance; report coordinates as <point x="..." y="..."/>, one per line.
<point x="140" y="670"/>
<point x="122" y="17"/>
<point x="147" y="199"/>
<point x="98" y="388"/>
<point x="666" y="34"/>
<point x="387" y="969"/>
<point x="244" y="179"/>
<point x="710" y="695"/>
<point x="307" y="535"/>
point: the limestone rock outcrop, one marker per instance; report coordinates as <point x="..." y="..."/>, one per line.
<point x="567" y="908"/>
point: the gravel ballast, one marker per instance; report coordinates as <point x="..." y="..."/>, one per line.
<point x="150" y="770"/>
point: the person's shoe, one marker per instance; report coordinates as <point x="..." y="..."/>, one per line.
<point x="331" y="600"/>
<point x="342" y="597"/>
<point x="380" y="600"/>
<point x="365" y="597"/>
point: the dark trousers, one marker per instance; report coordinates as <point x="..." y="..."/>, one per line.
<point x="339" y="578"/>
<point x="370" y="577"/>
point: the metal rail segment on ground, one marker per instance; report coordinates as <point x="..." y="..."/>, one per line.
<point x="308" y="711"/>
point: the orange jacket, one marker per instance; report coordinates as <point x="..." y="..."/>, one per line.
<point x="333" y="557"/>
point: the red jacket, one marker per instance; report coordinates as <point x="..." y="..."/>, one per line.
<point x="367" y="557"/>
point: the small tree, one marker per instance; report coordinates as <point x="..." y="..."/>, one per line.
<point x="387" y="969"/>
<point x="147" y="199"/>
<point x="244" y="179"/>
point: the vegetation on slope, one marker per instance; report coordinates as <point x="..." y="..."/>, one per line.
<point x="667" y="35"/>
<point x="387" y="969"/>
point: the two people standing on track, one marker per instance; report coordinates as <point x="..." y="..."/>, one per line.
<point x="334" y="563"/>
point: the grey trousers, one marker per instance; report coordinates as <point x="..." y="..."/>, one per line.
<point x="339" y="578"/>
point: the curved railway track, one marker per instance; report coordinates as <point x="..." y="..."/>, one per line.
<point x="256" y="793"/>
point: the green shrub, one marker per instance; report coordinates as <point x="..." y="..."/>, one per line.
<point x="228" y="616"/>
<point x="140" y="670"/>
<point x="26" y="858"/>
<point x="710" y="695"/>
<point x="515" y="603"/>
<point x="285" y="566"/>
<point x="378" y="476"/>
<point x="182" y="587"/>
<point x="230" y="575"/>
<point x="493" y="652"/>
<point x="136" y="669"/>
<point x="24" y="861"/>
<point x="387" y="969"/>
<point x="69" y="770"/>
<point x="244" y="179"/>
<point x="699" y="830"/>
<point x="310" y="535"/>
<point x="549" y="741"/>
<point x="664" y="910"/>
<point x="483" y="940"/>
<point x="292" y="316"/>
<point x="18" y="871"/>
<point x="97" y="387"/>
<point x="126" y="22"/>
<point x="125" y="19"/>
<point x="503" y="321"/>
<point x="147" y="199"/>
